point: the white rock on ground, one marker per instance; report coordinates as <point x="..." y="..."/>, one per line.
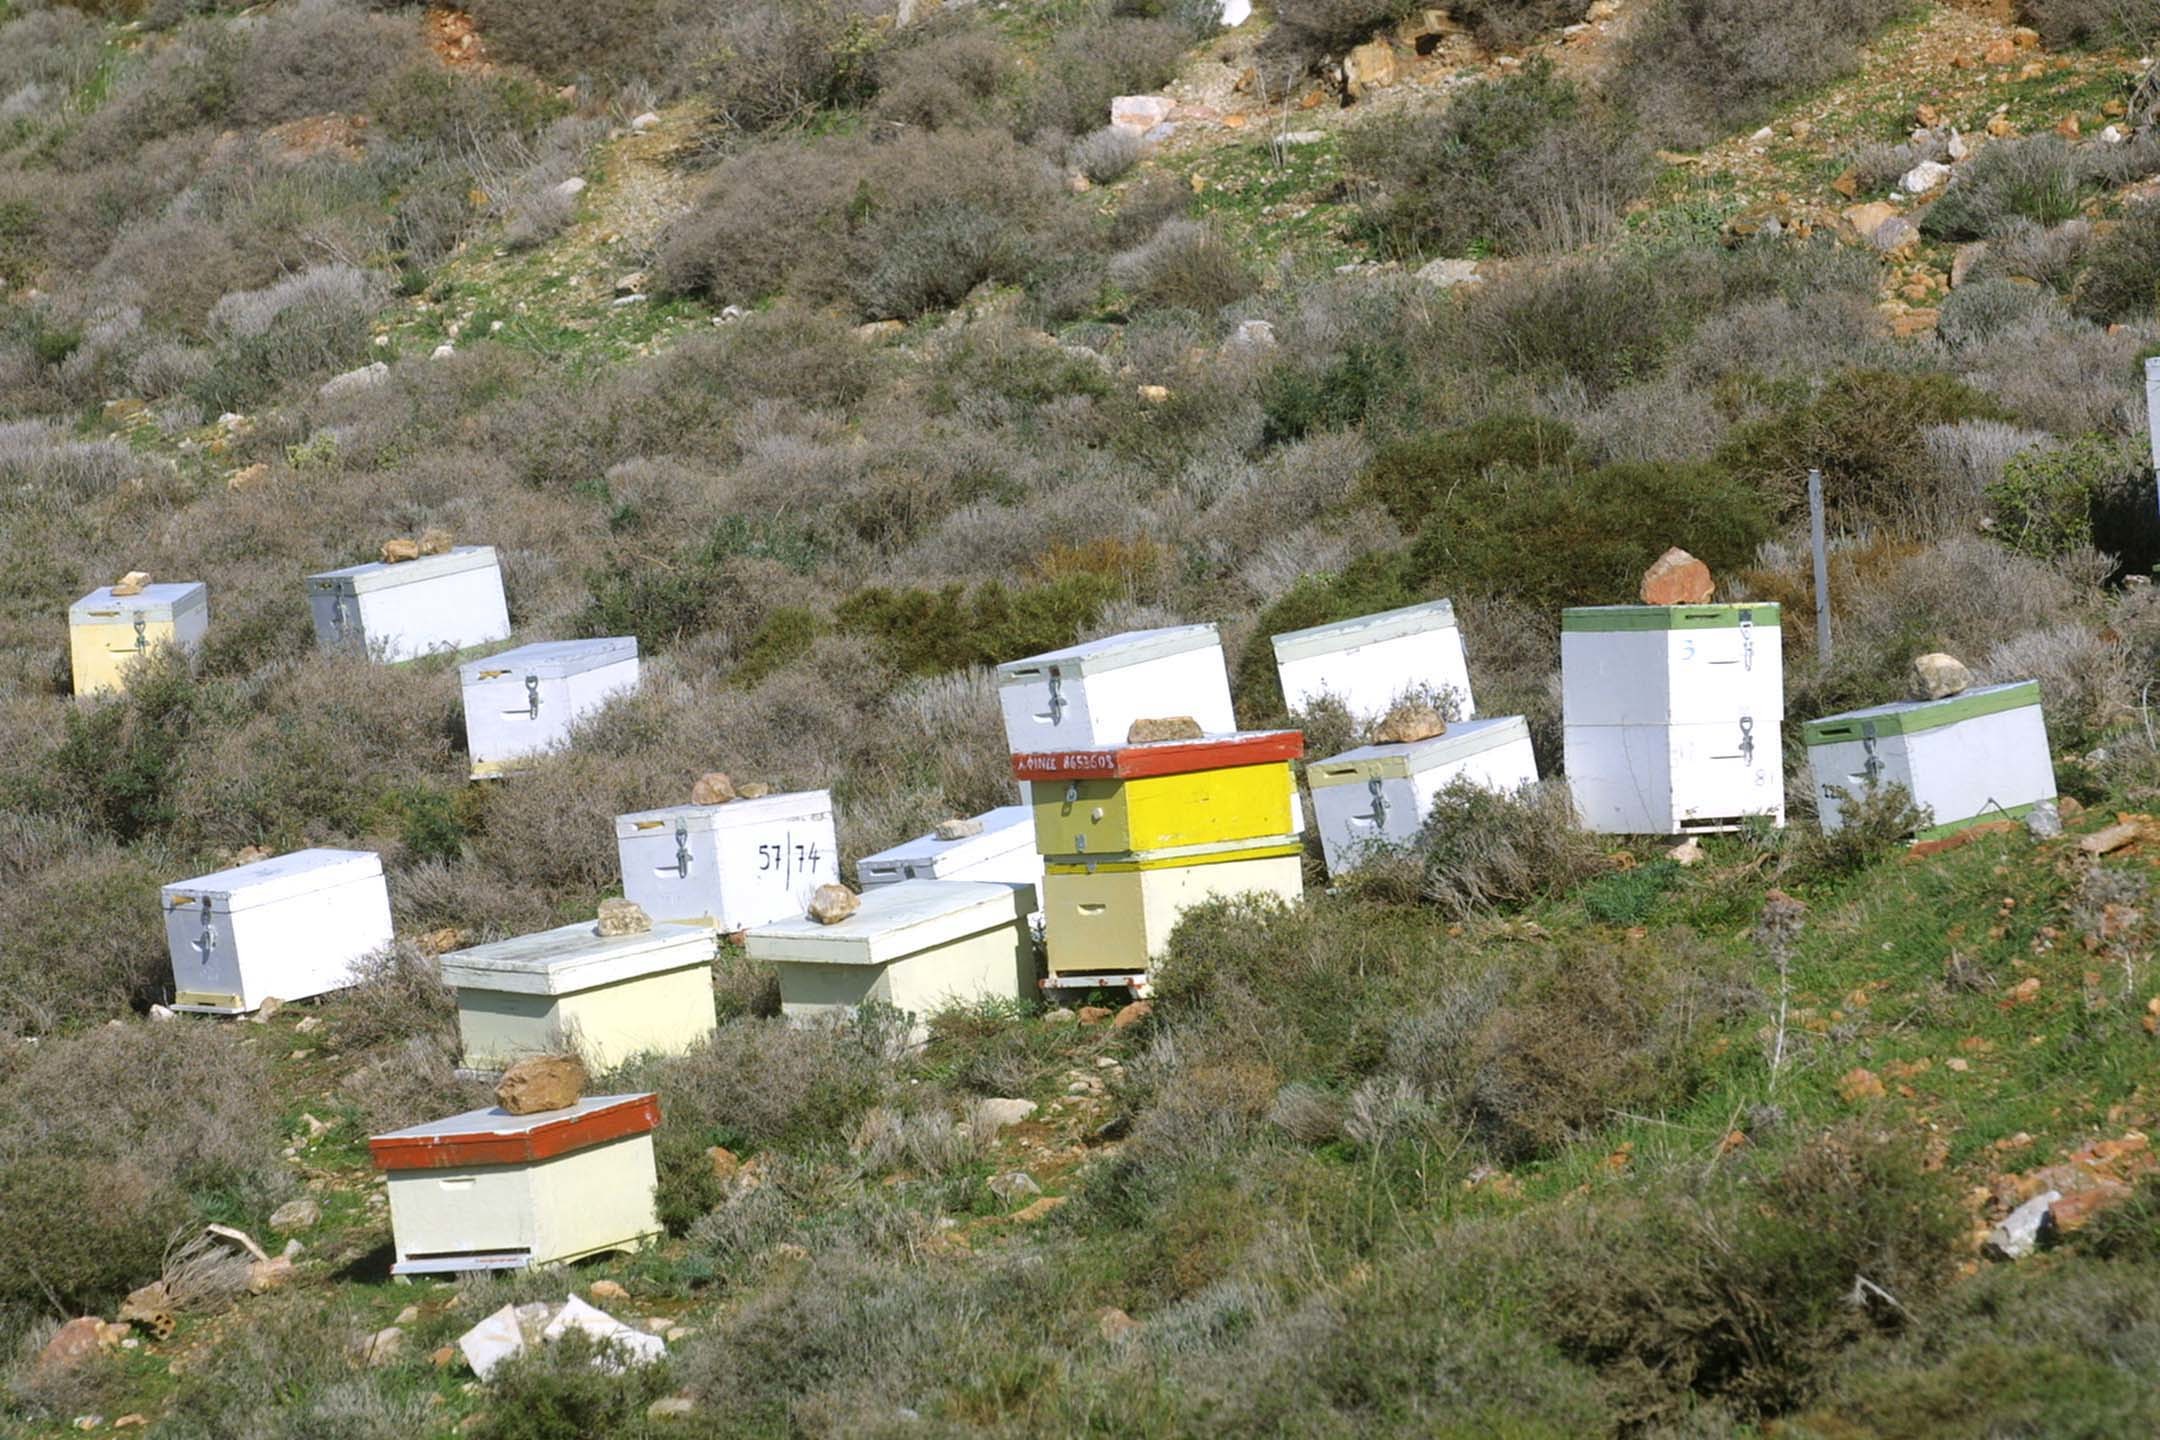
<point x="2019" y="1232"/>
<point x="634" y="1346"/>
<point x="364" y="378"/>
<point x="1924" y="177"/>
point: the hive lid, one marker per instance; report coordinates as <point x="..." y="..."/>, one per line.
<point x="281" y="877"/>
<point x="550" y="659"/>
<point x="1114" y="652"/>
<point x="156" y="602"/>
<point x="1180" y="857"/>
<point x="896" y="921"/>
<point x="765" y="810"/>
<point x="1161" y="757"/>
<point x="571" y="958"/>
<point x="1910" y="717"/>
<point x="493" y="1136"/>
<point x="1364" y="630"/>
<point x="1464" y="738"/>
<point x="377" y="575"/>
<point x="1005" y="829"/>
<point x="1609" y="619"/>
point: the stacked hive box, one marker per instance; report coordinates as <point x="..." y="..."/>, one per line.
<point x="917" y="946"/>
<point x="488" y="1190"/>
<point x="523" y="702"/>
<point x="437" y="603"/>
<point x="1376" y="797"/>
<point x="1091" y="694"/>
<point x="1369" y="663"/>
<point x="1002" y="850"/>
<point x="1673" y="716"/>
<point x="1135" y="835"/>
<point x="729" y="866"/>
<point x="108" y="632"/>
<point x="1975" y="756"/>
<point x="607" y="997"/>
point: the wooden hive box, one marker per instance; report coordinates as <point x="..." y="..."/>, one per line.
<point x="289" y="927"/>
<point x="108" y="632"/>
<point x="1112" y="915"/>
<point x="1090" y="694"/>
<point x="606" y="997"/>
<point x="523" y="702"/>
<point x="1377" y="797"/>
<point x="1976" y="756"/>
<point x="729" y="866"/>
<point x="1118" y="799"/>
<point x="1367" y="664"/>
<point x="1004" y="851"/>
<point x="433" y="605"/>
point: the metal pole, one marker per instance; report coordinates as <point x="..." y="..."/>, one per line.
<point x="2152" y="413"/>
<point x="1822" y="559"/>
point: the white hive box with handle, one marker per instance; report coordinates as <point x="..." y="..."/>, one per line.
<point x="1377" y="797"/>
<point x="1090" y="694"/>
<point x="108" y="632"/>
<point x="432" y="605"/>
<point x="1369" y="663"/>
<point x="917" y="946"/>
<point x="729" y="866"/>
<point x="1003" y="850"/>
<point x="488" y="1190"/>
<point x="1673" y="716"/>
<point x="286" y="928"/>
<point x="606" y="997"/>
<point x="1980" y="755"/>
<point x="523" y="702"/>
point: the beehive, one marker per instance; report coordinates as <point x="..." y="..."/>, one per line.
<point x="1090" y="694"/>
<point x="1165" y="795"/>
<point x="1976" y="756"/>
<point x="729" y="866"/>
<point x="108" y="632"/>
<point x="288" y="927"/>
<point x="1378" y="796"/>
<point x="1369" y="663"/>
<point x="437" y="603"/>
<point x="916" y="946"/>
<point x="488" y="1190"/>
<point x="1113" y="915"/>
<point x="1004" y="851"/>
<point x="608" y="997"/>
<point x="523" y="702"/>
<point x="1673" y="716"/>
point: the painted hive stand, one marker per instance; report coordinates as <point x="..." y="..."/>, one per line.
<point x="729" y="866"/>
<point x="488" y="1190"/>
<point x="1976" y="756"/>
<point x="607" y="997"/>
<point x="289" y="927"/>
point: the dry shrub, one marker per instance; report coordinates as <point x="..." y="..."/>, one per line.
<point x="1107" y="154"/>
<point x="768" y="1082"/>
<point x="947" y="80"/>
<point x="1088" y="65"/>
<point x="410" y="1084"/>
<point x="318" y="57"/>
<point x="1481" y="849"/>
<point x="87" y="941"/>
<point x="2131" y="23"/>
<point x="772" y="63"/>
<point x="1184" y="265"/>
<point x="397" y="993"/>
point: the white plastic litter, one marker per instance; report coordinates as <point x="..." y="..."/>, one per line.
<point x="635" y="1346"/>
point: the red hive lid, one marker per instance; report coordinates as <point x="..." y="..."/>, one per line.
<point x="496" y="1137"/>
<point x="1162" y="757"/>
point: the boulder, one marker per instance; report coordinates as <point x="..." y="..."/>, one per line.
<point x="712" y="788"/>
<point x="1140" y="113"/>
<point x="2019" y="1233"/>
<point x="622" y="917"/>
<point x="752" y="790"/>
<point x="1677" y="578"/>
<point x="957" y="829"/>
<point x="73" y="1343"/>
<point x="1938" y="677"/>
<point x="1132" y="1014"/>
<point x="300" y="1214"/>
<point x="608" y="1292"/>
<point x="1408" y="721"/>
<point x="1253" y="335"/>
<point x="1447" y="274"/>
<point x="263" y="1276"/>
<point x="400" y="550"/>
<point x="541" y="1082"/>
<point x="1369" y="67"/>
<point x="366" y="377"/>
<point x="1151" y="730"/>
<point x="1014" y="1185"/>
<point x="991" y="1116"/>
<point x="132" y="583"/>
<point x="1114" y="1324"/>
<point x="571" y="188"/>
<point x="724" y="1164"/>
<point x="1925" y="176"/>
<point x="833" y="904"/>
<point x="640" y="124"/>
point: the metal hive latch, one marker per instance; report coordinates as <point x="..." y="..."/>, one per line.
<point x="682" y="849"/>
<point x="532" y="696"/>
<point x="1379" y="803"/>
<point x="142" y="640"/>
<point x="1747" y="738"/>
<point x="206" y="942"/>
<point x="1747" y="639"/>
<point x="1874" y="767"/>
<point x="337" y="614"/>
<point x="1057" y="697"/>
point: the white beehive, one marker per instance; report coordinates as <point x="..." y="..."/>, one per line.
<point x="1671" y="664"/>
<point x="1378" y="796"/>
<point x="1976" y="756"/>
<point x="1003" y="852"/>
<point x="608" y="997"/>
<point x="288" y="927"/>
<point x="729" y="866"/>
<point x="447" y="602"/>
<point x="523" y="702"/>
<point x="916" y="946"/>
<point x="107" y="632"/>
<point x="488" y="1190"/>
<point x="1673" y="716"/>
<point x="1369" y="663"/>
<point x="1090" y="694"/>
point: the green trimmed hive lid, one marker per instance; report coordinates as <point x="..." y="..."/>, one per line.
<point x="1909" y="717"/>
<point x="1610" y="619"/>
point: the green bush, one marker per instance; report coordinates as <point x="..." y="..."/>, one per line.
<point x="1525" y="162"/>
<point x="573" y="1389"/>
<point x="927" y="631"/>
<point x="121" y="757"/>
<point x="1185" y="265"/>
<point x="1876" y="824"/>
<point x="1299" y="399"/>
<point x="1864" y="430"/>
<point x="2043" y="504"/>
<point x="662" y="604"/>
<point x="1411" y="479"/>
<point x="2121" y="279"/>
<point x="2037" y="178"/>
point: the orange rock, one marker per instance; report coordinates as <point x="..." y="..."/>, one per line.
<point x="1858" y="1084"/>
<point x="2067" y="127"/>
<point x="2002" y="52"/>
<point x="1093" y="1014"/>
<point x="1677" y="578"/>
<point x="1132" y="1015"/>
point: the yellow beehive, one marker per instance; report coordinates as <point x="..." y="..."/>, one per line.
<point x="1126" y="799"/>
<point x="1115" y="915"/>
<point x="108" y="632"/>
